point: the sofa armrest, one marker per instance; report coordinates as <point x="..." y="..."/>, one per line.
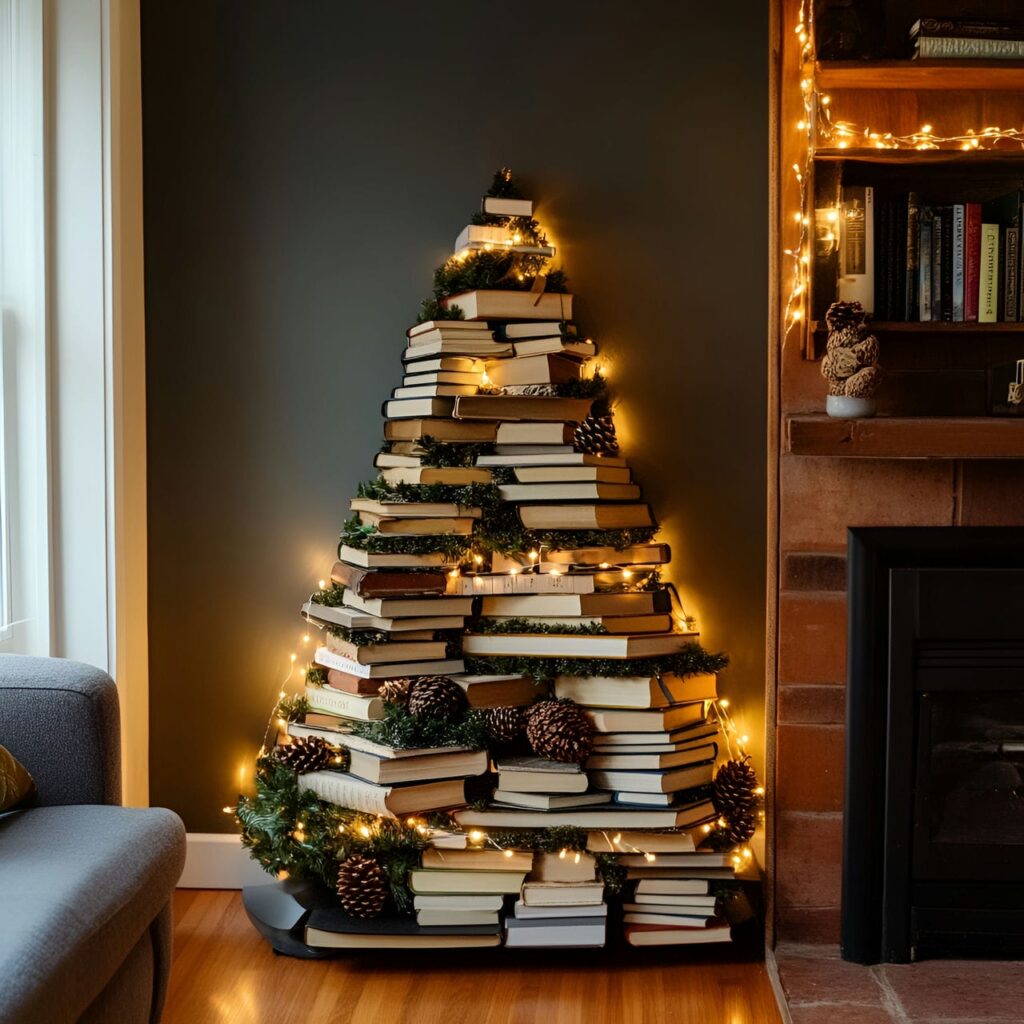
<point x="60" y="720"/>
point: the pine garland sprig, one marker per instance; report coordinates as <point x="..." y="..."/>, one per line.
<point x="359" y="637"/>
<point x="431" y="309"/>
<point x="332" y="596"/>
<point x="293" y="709"/>
<point x="519" y="625"/>
<point x="444" y="454"/>
<point x="465" y="495"/>
<point x="401" y="730"/>
<point x="366" y="538"/>
<point x="594" y="387"/>
<point x="691" y="660"/>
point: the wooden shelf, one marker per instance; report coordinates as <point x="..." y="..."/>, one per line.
<point x="947" y="75"/>
<point x="904" y="438"/>
<point x="932" y="327"/>
<point x="987" y="157"/>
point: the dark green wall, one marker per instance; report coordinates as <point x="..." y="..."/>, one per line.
<point x="306" y="167"/>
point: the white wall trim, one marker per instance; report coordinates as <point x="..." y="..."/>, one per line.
<point x="215" y="860"/>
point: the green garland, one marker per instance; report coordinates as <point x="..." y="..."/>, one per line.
<point x="691" y="660"/>
<point x="401" y="730"/>
<point x="431" y="309"/>
<point x="366" y="538"/>
<point x="519" y="625"/>
<point x="444" y="454"/>
<point x="332" y="596"/>
<point x="359" y="637"/>
<point x="294" y="709"/>
<point x="465" y="495"/>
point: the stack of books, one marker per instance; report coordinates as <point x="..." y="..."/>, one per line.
<point x="967" y="39"/>
<point x="669" y="898"/>
<point x="543" y="785"/>
<point x="561" y="904"/>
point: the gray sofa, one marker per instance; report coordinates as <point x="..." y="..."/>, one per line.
<point x="85" y="885"/>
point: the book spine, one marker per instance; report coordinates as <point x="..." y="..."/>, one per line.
<point x="1011" y="263"/>
<point x="329" y="659"/>
<point x="940" y="47"/>
<point x="936" y="301"/>
<point x="856" y="254"/>
<point x="959" y="227"/>
<point x="946" y="277"/>
<point x="924" y="278"/>
<point x="343" y="791"/>
<point x="988" y="300"/>
<point x="972" y="259"/>
<point x="965" y="28"/>
<point x="910" y="298"/>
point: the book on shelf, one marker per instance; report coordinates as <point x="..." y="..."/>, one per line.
<point x="660" y="935"/>
<point x="988" y="303"/>
<point x="569" y="490"/>
<point x="449" y="431"/>
<point x="857" y="246"/>
<point x="972" y="260"/>
<point x="662" y="887"/>
<point x="350" y="618"/>
<point x="393" y="801"/>
<point x="387" y="607"/>
<point x="548" y="801"/>
<point x="518" y="407"/>
<point x="663" y="902"/>
<point x="640" y="692"/>
<point x="332" y="928"/>
<point x="649" y="842"/>
<point x="656" y="761"/>
<point x="563" y="894"/>
<point x="534" y="433"/>
<point x="463" y="880"/>
<point x="531" y="774"/>
<point x="458" y="901"/>
<point x="385" y="653"/>
<point x="423" y="768"/>
<point x="524" y="583"/>
<point x="637" y="721"/>
<point x="563" y="867"/>
<point x="363" y="708"/>
<point x="585" y="517"/>
<point x="926" y="222"/>
<point x="524" y="913"/>
<point x="664" y="781"/>
<point x="384" y="583"/>
<point x="669" y="916"/>
<point x="570" y="645"/>
<point x="539" y="369"/>
<point x="484" y="304"/>
<point x="967" y="48"/>
<point x="386" y="560"/>
<point x="959" y="260"/>
<point x="451" y="916"/>
<point x="389" y="670"/>
<point x="591" y="818"/>
<point x="966" y="28"/>
<point x="451" y="475"/>
<point x="415" y="408"/>
<point x="572" y="932"/>
<point x="643" y="602"/>
<point x="479" y="860"/>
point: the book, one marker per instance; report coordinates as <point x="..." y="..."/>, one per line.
<point x="659" y="935"/>
<point x="693" y="731"/>
<point x="458" y="364"/>
<point x="414" y="408"/>
<point x="443" y="331"/>
<point x="569" y="645"/>
<point x="641" y="762"/>
<point x="352" y="684"/>
<point x="534" y="433"/>
<point x="637" y="691"/>
<point x="412" y="509"/>
<point x="455" y="917"/>
<point x="488" y="236"/>
<point x="563" y="894"/>
<point x="520" y="407"/>
<point x="539" y="369"/>
<point x="646" y="602"/>
<point x="531" y="774"/>
<point x="449" y="431"/>
<point x="373" y="560"/>
<point x="569" y="473"/>
<point x="414" y="378"/>
<point x="458" y="901"/>
<point x="484" y="691"/>
<point x="461" y="880"/>
<point x="946" y="265"/>
<point x="433" y="390"/>
<point x="655" y="870"/>
<point x="637" y="798"/>
<point x="967" y="48"/>
<point x="635" y="722"/>
<point x="649" y="842"/>
<point x="581" y="350"/>
<point x="503" y="206"/>
<point x="638" y="914"/>
<point x="584" y="517"/>
<point x="972" y="259"/>
<point x="423" y="768"/>
<point x="616" y="624"/>
<point x="350" y="618"/>
<point x="535" y="329"/>
<point x="524" y="913"/>
<point x="988" y="275"/>
<point x="637" y="554"/>
<point x="569" y="491"/>
<point x="332" y="928"/>
<point x="450" y="326"/>
<point x="348" y="705"/>
<point x="562" y="867"/>
<point x="549" y="801"/>
<point x="385" y="653"/>
<point x="525" y="933"/>
<point x="654" y="886"/>
<point x="1011" y="274"/>
<point x="959" y="241"/>
<point x="391" y="670"/>
<point x="525" y="583"/>
<point x="345" y="790"/>
<point x="979" y="28"/>
<point x="595" y="817"/>
<point x="383" y="583"/>
<point x="452" y="475"/>
<point x="669" y="780"/>
<point x="341" y="735"/>
<point x="540" y="466"/>
<point x="479" y="860"/>
<point x="471" y="348"/>
<point x="664" y="902"/>
<point x="936" y="303"/>
<point x="511" y="305"/>
<point x="856" y="246"/>
<point x="924" y="267"/>
<point x="410" y="526"/>
<point x="386" y="607"/>
<point x="682" y="859"/>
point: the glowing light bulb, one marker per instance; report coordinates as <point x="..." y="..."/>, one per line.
<point x="724" y="702"/>
<point x="534" y="556"/>
<point x="479" y="559"/>
<point x="305" y="638"/>
<point x="292" y="657"/>
<point x="364" y="831"/>
<point x="322" y="584"/>
<point x="605" y="565"/>
<point x="507" y="853"/>
<point x="476" y="836"/>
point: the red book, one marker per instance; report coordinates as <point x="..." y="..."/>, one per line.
<point x="352" y="684"/>
<point x="972" y="259"/>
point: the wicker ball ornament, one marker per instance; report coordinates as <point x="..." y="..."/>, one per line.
<point x="596" y="436"/>
<point x="559" y="731"/>
<point x="436" y="697"/>
<point x="306" y="754"/>
<point x="504" y="724"/>
<point x="395" y="691"/>
<point x="362" y="886"/>
<point x="735" y="798"/>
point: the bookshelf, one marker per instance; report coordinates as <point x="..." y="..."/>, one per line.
<point x="942" y="75"/>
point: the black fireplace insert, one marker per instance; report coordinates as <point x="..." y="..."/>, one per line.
<point x="933" y="832"/>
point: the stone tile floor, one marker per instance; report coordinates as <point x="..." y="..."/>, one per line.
<point x="821" y="988"/>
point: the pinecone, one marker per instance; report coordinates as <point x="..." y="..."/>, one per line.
<point x="435" y="697"/>
<point x="362" y="887"/>
<point x="395" y="691"/>
<point x="306" y="754"/>
<point x="735" y="798"/>
<point x="504" y="724"/>
<point x="844" y="314"/>
<point x="596" y="436"/>
<point x="559" y="731"/>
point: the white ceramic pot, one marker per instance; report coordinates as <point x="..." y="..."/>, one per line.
<point x="844" y="407"/>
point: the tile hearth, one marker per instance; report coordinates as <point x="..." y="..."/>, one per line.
<point x="821" y="988"/>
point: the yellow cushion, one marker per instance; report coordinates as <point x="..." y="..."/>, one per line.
<point x="16" y="785"/>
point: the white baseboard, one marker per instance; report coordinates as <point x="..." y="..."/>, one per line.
<point x="215" y="860"/>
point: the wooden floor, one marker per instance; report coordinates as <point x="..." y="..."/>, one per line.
<point x="225" y="974"/>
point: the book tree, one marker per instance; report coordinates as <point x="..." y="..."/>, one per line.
<point x="509" y="724"/>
